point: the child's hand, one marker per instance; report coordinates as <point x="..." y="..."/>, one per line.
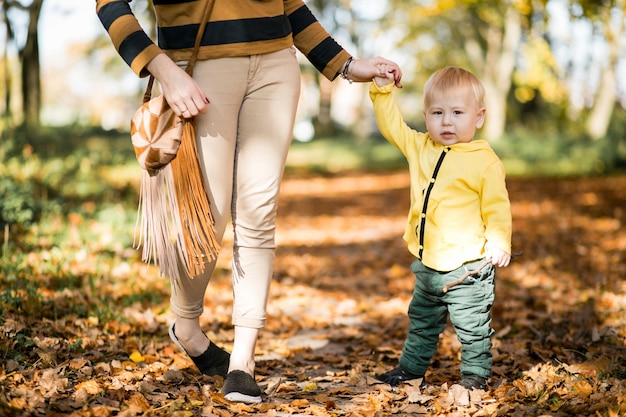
<point x="498" y="257"/>
<point x="386" y="77"/>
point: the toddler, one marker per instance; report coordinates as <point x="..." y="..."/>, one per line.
<point x="459" y="221"/>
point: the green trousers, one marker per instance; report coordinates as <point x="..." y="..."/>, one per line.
<point x="469" y="307"/>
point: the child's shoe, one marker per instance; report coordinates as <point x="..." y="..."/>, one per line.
<point x="473" y="381"/>
<point x="396" y="376"/>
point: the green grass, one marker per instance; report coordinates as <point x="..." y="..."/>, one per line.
<point x="336" y="155"/>
<point x="531" y="155"/>
<point x="523" y="155"/>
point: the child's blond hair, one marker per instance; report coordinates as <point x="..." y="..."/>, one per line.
<point x="453" y="78"/>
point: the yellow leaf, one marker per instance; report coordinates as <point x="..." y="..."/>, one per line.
<point x="137" y="357"/>
<point x="310" y="386"/>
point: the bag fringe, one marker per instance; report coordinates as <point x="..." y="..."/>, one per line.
<point x="157" y="221"/>
<point x="197" y="226"/>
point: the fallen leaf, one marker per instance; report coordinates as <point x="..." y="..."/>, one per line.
<point x="138" y="403"/>
<point x="136" y="357"/>
<point x="91" y="387"/>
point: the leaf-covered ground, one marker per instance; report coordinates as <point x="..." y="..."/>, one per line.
<point x="91" y="340"/>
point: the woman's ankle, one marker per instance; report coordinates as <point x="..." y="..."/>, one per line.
<point x="242" y="356"/>
<point x="190" y="335"/>
<point x="242" y="365"/>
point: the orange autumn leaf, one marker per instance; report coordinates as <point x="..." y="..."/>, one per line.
<point x="138" y="402"/>
<point x="583" y="388"/>
<point x="299" y="403"/>
<point x="91" y="387"/>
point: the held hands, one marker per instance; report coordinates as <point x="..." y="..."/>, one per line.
<point x="181" y="92"/>
<point x="377" y="69"/>
<point x="498" y="257"/>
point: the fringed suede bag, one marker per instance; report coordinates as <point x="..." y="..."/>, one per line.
<point x="174" y="219"/>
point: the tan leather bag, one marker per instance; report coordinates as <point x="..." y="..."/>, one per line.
<point x="155" y="132"/>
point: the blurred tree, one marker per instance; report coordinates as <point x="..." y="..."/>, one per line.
<point x="505" y="41"/>
<point x="31" y="68"/>
<point x="28" y="56"/>
<point x="484" y="37"/>
<point x="331" y="13"/>
<point x="6" y="66"/>
<point x="607" y="18"/>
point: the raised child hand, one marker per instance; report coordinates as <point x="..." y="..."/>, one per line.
<point x="385" y="77"/>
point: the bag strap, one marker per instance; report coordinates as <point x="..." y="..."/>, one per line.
<point x="194" y="54"/>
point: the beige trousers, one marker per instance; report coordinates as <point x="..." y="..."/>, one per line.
<point x="243" y="141"/>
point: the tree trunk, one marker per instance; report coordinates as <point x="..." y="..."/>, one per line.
<point x="597" y="124"/>
<point x="599" y="118"/>
<point x="8" y="84"/>
<point x="499" y="64"/>
<point x="31" y="82"/>
<point x="323" y="122"/>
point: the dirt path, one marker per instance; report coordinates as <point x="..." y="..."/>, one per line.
<point x="337" y="316"/>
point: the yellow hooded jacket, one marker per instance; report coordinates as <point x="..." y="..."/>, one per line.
<point x="468" y="206"/>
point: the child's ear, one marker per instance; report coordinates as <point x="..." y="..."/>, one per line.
<point x="480" y="118"/>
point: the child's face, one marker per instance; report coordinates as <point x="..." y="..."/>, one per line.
<point x="453" y="116"/>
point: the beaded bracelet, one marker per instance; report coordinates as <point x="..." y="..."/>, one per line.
<point x="346" y="68"/>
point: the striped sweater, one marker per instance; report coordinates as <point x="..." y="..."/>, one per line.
<point x="235" y="28"/>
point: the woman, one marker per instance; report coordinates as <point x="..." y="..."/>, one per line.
<point x="244" y="93"/>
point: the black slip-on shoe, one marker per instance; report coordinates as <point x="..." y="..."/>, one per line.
<point x="398" y="375"/>
<point x="473" y="381"/>
<point x="241" y="387"/>
<point x="214" y="361"/>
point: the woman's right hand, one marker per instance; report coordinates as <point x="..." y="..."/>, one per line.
<point x="181" y="91"/>
<point x="365" y="69"/>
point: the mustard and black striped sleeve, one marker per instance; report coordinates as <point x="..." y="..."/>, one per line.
<point x="129" y="39"/>
<point x="313" y="41"/>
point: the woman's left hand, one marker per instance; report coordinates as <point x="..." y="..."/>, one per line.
<point x="364" y="70"/>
